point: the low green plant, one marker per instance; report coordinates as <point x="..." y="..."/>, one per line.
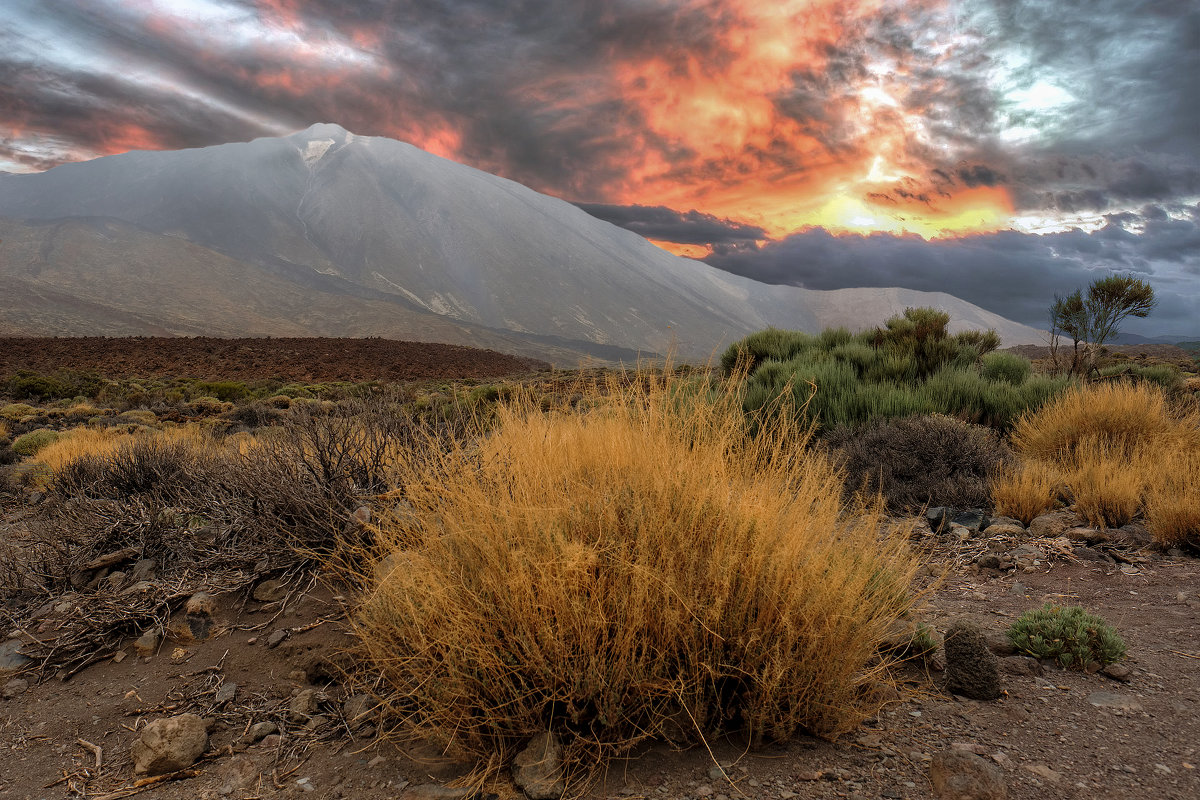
<point x="1164" y="376"/>
<point x="225" y="391"/>
<point x="1067" y="634"/>
<point x="29" y="444"/>
<point x="1008" y="367"/>
<point x="14" y="412"/>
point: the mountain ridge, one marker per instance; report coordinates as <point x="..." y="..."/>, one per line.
<point x="411" y="243"/>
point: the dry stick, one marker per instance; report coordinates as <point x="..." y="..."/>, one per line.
<point x="1185" y="655"/>
<point x="146" y="783"/>
<point x="97" y="751"/>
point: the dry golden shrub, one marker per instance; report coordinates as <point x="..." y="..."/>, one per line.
<point x="1108" y="481"/>
<point x="636" y="570"/>
<point x="1026" y="490"/>
<point x="1119" y="414"/>
<point x="104" y="442"/>
<point x="1173" y="499"/>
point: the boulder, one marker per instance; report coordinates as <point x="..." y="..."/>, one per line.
<point x="1055" y="524"/>
<point x="12" y="660"/>
<point x="971" y="668"/>
<point x="973" y="519"/>
<point x="538" y="770"/>
<point x="938" y="517"/>
<point x="961" y="775"/>
<point x="169" y="745"/>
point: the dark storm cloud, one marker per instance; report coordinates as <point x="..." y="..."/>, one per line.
<point x="1010" y="273"/>
<point x="690" y="227"/>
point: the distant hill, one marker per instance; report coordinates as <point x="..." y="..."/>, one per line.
<point x="330" y="234"/>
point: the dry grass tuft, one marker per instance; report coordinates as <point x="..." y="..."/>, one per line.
<point x="1122" y="449"/>
<point x="1026" y="490"/>
<point x="1108" y="482"/>
<point x="1119" y="414"/>
<point x="1173" y="500"/>
<point x="637" y="570"/>
<point x="103" y="443"/>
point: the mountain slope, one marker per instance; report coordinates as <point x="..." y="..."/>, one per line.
<point x="384" y="227"/>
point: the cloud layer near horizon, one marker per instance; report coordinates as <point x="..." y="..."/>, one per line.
<point x="739" y="127"/>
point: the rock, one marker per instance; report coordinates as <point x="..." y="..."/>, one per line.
<point x="110" y="560"/>
<point x="988" y="561"/>
<point x="168" y="745"/>
<point x="720" y="771"/>
<point x="276" y="638"/>
<point x="938" y="517"/>
<point x="537" y="770"/>
<point x="1089" y="536"/>
<point x="147" y="644"/>
<point x="1000" y="644"/>
<point x="358" y="709"/>
<point x="1017" y="588"/>
<point x="237" y="774"/>
<point x="960" y="775"/>
<point x="15" y="687"/>
<point x="303" y="706"/>
<point x="261" y="730"/>
<point x="1021" y="665"/>
<point x="12" y="660"/>
<point x="1131" y="535"/>
<point x="114" y="581"/>
<point x="137" y="588"/>
<point x="1119" y="702"/>
<point x="971" y="668"/>
<point x="270" y="591"/>
<point x="362" y="515"/>
<point x="226" y="693"/>
<point x="1118" y="672"/>
<point x="1003" y="531"/>
<point x="143" y="570"/>
<point x="1054" y="524"/>
<point x="1011" y="522"/>
<point x="1027" y="556"/>
<point x="972" y="519"/>
<point x="1045" y="773"/>
<point x="201" y="603"/>
<point x="1085" y="553"/>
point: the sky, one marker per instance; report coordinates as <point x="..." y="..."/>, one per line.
<point x="998" y="150"/>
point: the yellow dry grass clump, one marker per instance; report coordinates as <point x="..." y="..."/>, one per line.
<point x="105" y="442"/>
<point x="640" y="569"/>
<point x="1120" y="449"/>
<point x="1026" y="489"/>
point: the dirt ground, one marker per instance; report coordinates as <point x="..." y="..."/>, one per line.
<point x="312" y="360"/>
<point x="1053" y="735"/>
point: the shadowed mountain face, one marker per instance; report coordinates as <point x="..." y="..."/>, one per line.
<point x="328" y="233"/>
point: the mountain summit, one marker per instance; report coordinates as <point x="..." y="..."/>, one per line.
<point x="324" y="232"/>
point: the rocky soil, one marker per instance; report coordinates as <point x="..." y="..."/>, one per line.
<point x="257" y="706"/>
<point x="309" y="359"/>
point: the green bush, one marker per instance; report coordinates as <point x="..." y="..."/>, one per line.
<point x="225" y="391"/>
<point x="919" y="461"/>
<point x="1069" y="635"/>
<point x="1008" y="367"/>
<point x="1164" y="376"/>
<point x="773" y="344"/>
<point x="913" y="365"/>
<point x="30" y="443"/>
<point x="29" y="385"/>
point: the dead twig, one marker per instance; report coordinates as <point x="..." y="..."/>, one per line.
<point x="97" y="751"/>
<point x="146" y="783"/>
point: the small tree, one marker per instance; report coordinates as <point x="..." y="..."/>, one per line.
<point x="1093" y="318"/>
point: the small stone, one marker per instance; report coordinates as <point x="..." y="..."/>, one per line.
<point x="276" y="638"/>
<point x="236" y="775"/>
<point x="261" y="730"/>
<point x="303" y="706"/>
<point x="357" y="709"/>
<point x="119" y="656"/>
<point x="169" y="745"/>
<point x="1000" y="644"/>
<point x="14" y="687"/>
<point x="143" y="570"/>
<point x="538" y="771"/>
<point x="12" y="660"/>
<point x="971" y="668"/>
<point x="305" y="784"/>
<point x="704" y="790"/>
<point x="1045" y="773"/>
<point x="226" y="693"/>
<point x="1119" y="702"/>
<point x="959" y="775"/>
<point x="433" y="791"/>
<point x="1027" y="556"/>
<point x="1054" y="524"/>
<point x="114" y="581"/>
<point x="1021" y="665"/>
<point x="201" y="603"/>
<point x="1118" y="672"/>
<point x="1008" y="521"/>
<point x="1018" y="589"/>
<point x="270" y="591"/>
<point x="988" y="561"/>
